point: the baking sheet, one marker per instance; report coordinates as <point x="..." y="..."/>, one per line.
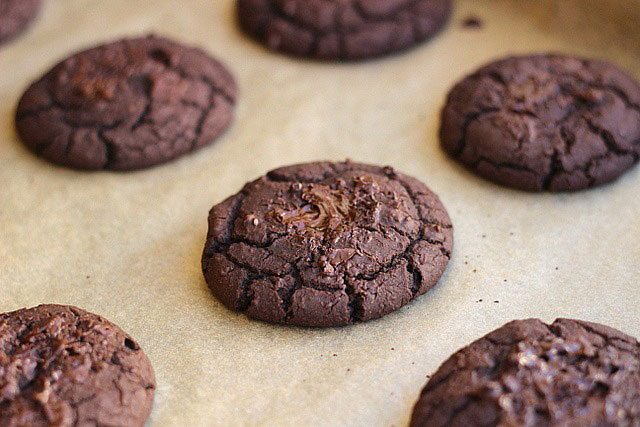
<point x="128" y="245"/>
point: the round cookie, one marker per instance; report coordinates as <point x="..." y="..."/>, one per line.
<point x="326" y="244"/>
<point x="544" y="122"/>
<point x="527" y="373"/>
<point x="16" y="16"/>
<point x="60" y="365"/>
<point x="129" y="104"/>
<point x="342" y="29"/>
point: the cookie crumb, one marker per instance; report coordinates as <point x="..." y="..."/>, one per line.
<point x="472" y="22"/>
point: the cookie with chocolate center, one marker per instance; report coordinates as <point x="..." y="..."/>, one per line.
<point x="326" y="244"/>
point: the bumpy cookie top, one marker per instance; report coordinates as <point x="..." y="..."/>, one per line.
<point x="15" y="16"/>
<point x="326" y="244"/>
<point x="545" y="122"/>
<point x="62" y="366"/>
<point x="125" y="105"/>
<point x="527" y="373"/>
<point x="342" y="29"/>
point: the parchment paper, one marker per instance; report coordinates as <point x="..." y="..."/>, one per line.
<point x="128" y="245"/>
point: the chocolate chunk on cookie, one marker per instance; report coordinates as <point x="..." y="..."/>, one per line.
<point x="527" y="373"/>
<point x="326" y="244"/>
<point x="62" y="366"/>
<point x="129" y="104"/>
<point x="16" y="16"/>
<point x="545" y="122"/>
<point x="342" y="29"/>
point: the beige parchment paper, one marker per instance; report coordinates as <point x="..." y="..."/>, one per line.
<point x="128" y="245"/>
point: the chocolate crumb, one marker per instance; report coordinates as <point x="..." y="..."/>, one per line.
<point x="472" y="22"/>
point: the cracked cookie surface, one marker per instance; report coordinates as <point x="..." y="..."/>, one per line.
<point x="545" y="122"/>
<point x="342" y="29"/>
<point x="16" y="16"/>
<point x="129" y="104"/>
<point x="326" y="244"/>
<point x="63" y="366"/>
<point x="527" y="373"/>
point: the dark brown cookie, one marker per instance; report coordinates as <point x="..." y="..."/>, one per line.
<point x="15" y="17"/>
<point x="127" y="105"/>
<point x="527" y="373"/>
<point x="545" y="122"/>
<point x="63" y="366"/>
<point x="342" y="29"/>
<point x="326" y="244"/>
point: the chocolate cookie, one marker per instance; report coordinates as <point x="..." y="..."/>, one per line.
<point x="15" y="17"/>
<point x="127" y="105"/>
<point x="545" y="122"/>
<point x="326" y="244"/>
<point x="62" y="366"/>
<point x="527" y="373"/>
<point x="342" y="29"/>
